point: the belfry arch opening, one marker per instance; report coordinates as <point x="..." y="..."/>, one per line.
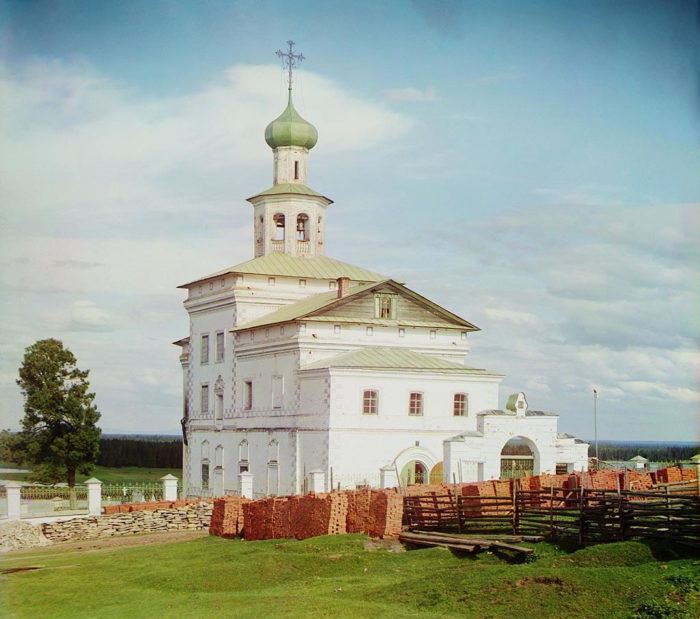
<point x="518" y="458"/>
<point x="302" y="227"/>
<point x="279" y="227"/>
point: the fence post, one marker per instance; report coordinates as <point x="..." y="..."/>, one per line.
<point x="696" y="463"/>
<point x="13" y="499"/>
<point x="94" y="496"/>
<point x="169" y="487"/>
<point x="318" y="481"/>
<point x="245" y="484"/>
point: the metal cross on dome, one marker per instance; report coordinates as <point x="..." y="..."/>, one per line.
<point x="289" y="60"/>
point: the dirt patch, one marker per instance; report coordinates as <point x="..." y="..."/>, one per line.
<point x="392" y="545"/>
<point x="542" y="580"/>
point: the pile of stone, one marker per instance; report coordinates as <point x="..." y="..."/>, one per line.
<point x="16" y="534"/>
<point x="196" y="516"/>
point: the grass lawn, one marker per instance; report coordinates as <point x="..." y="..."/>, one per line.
<point x="112" y="474"/>
<point x="335" y="577"/>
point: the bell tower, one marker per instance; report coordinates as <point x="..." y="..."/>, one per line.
<point x="290" y="217"/>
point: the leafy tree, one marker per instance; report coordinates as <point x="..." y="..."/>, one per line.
<point x="59" y="433"/>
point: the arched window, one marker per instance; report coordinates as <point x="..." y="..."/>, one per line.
<point x="219" y="456"/>
<point x="279" y="227"/>
<point x="243" y="466"/>
<point x="302" y="227"/>
<point x="273" y="451"/>
<point x="243" y="450"/>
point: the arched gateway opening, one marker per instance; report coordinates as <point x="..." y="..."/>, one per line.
<point x="517" y="458"/>
<point x="414" y="472"/>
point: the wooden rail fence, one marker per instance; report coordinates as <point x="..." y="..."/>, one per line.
<point x="591" y="515"/>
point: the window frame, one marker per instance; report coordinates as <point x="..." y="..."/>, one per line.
<point x="385" y="306"/>
<point x="220" y="351"/>
<point x="247" y="395"/>
<point x="370" y="401"/>
<point x="413" y="410"/>
<point x="204" y="399"/>
<point x="460" y="401"/>
<point x="204" y="349"/>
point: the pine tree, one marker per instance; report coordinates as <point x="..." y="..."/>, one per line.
<point x="59" y="432"/>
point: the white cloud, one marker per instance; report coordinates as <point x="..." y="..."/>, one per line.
<point x="412" y="94"/>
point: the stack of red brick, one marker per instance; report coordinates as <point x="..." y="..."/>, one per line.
<point x="379" y="513"/>
<point x="227" y="516"/>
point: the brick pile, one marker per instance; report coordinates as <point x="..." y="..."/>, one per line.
<point x="674" y="474"/>
<point x="385" y="514"/>
<point x="227" y="516"/>
<point x="358" y="510"/>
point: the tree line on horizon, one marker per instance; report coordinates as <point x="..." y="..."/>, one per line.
<point x="118" y="452"/>
<point x="613" y="452"/>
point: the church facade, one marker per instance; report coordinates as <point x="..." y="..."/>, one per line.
<point x="301" y="371"/>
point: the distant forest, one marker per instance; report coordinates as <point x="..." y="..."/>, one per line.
<point x="156" y="452"/>
<point x="617" y="452"/>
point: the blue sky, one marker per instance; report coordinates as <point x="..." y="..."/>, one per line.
<point x="532" y="166"/>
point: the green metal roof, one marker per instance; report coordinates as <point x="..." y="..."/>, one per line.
<point x="290" y="129"/>
<point x="319" y="267"/>
<point x="298" y="189"/>
<point x="307" y="307"/>
<point x="376" y="357"/>
<point x="300" y="309"/>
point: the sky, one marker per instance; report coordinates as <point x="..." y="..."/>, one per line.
<point x="531" y="166"/>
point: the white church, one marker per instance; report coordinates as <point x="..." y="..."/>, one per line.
<point x="304" y="372"/>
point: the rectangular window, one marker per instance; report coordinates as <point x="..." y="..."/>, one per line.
<point x="281" y="330"/>
<point x="562" y="468"/>
<point x="302" y="328"/>
<point x="204" y="349"/>
<point x="463" y="336"/>
<point x="385" y="306"/>
<point x="336" y="329"/>
<point x="243" y="468"/>
<point x="459" y="408"/>
<point x="296" y="170"/>
<point x="270" y="281"/>
<point x="220" y="346"/>
<point x="205" y="474"/>
<point x="402" y="332"/>
<point x="369" y="402"/>
<point x="277" y="391"/>
<point x="370" y="330"/>
<point x="204" y="399"/>
<point x="248" y="395"/>
<point x="332" y="285"/>
<point x="302" y="283"/>
<point x="433" y="333"/>
<point x="415" y="404"/>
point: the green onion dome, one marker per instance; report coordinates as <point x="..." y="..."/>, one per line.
<point x="290" y="129"/>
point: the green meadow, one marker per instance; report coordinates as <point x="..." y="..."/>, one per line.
<point x="335" y="576"/>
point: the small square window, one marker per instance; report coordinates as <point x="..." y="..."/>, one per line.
<point x="270" y="281"/>
<point x="302" y="283"/>
<point x="402" y="332"/>
<point x="370" y="330"/>
<point x="463" y="336"/>
<point x="369" y="402"/>
<point x="302" y="328"/>
<point x="433" y="334"/>
<point x="281" y="330"/>
<point x="336" y="329"/>
<point x="332" y="285"/>
<point x="415" y="404"/>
